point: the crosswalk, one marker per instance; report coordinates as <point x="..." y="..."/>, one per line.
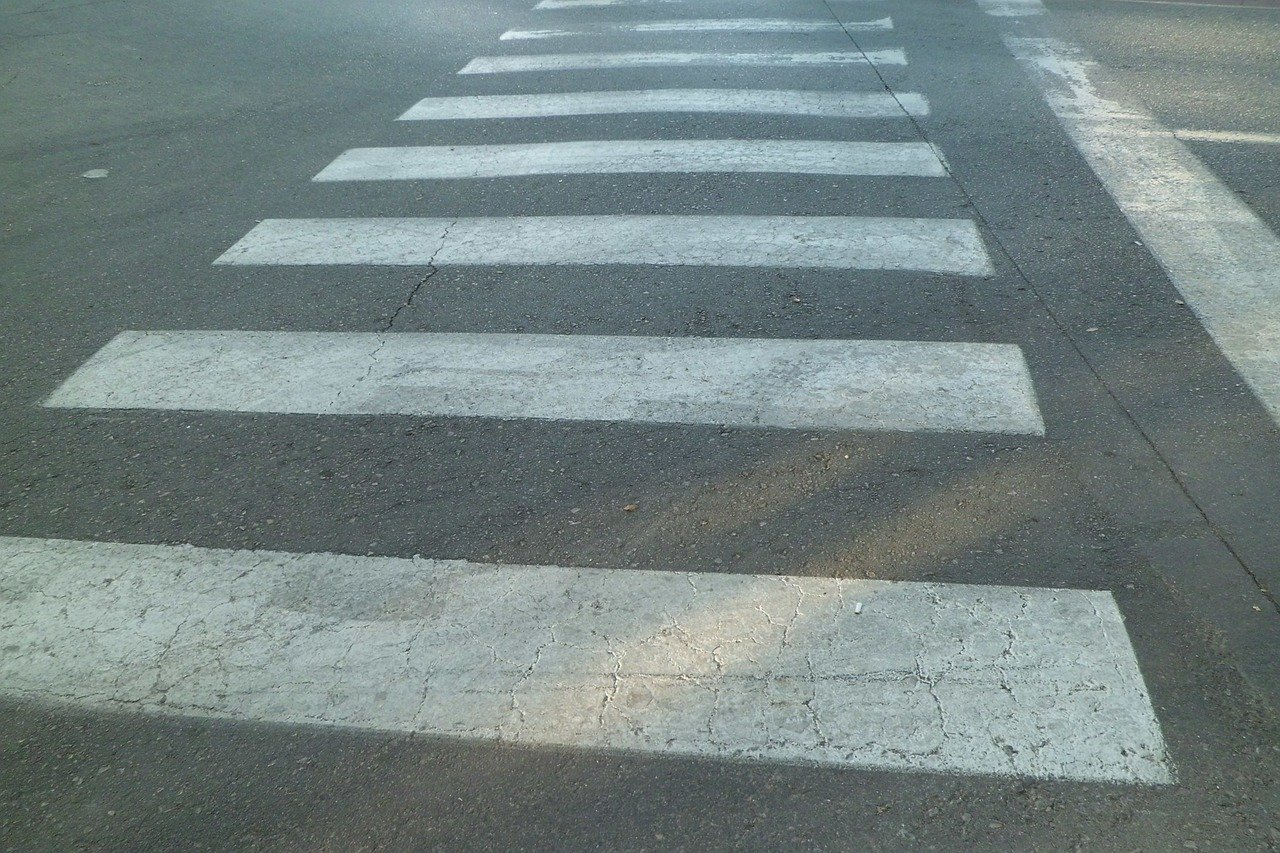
<point x="950" y="678"/>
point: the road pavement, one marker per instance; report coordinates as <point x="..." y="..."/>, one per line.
<point x="839" y="424"/>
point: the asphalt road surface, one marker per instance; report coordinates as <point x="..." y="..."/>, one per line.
<point x="640" y="424"/>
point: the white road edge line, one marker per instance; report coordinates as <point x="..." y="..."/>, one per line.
<point x="707" y="25"/>
<point x="933" y="677"/>
<point x="828" y="242"/>
<point x="743" y="382"/>
<point x="1218" y="253"/>
<point x="635" y="156"/>
<point x="577" y="61"/>
<point x="761" y="101"/>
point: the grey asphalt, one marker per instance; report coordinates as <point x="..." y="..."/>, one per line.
<point x="1159" y="478"/>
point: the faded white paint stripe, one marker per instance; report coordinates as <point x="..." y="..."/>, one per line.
<point x="578" y="4"/>
<point x="575" y="61"/>
<point x="927" y="677"/>
<point x="793" y="384"/>
<point x="1011" y="8"/>
<point x="833" y="242"/>
<point x="1228" y="136"/>
<point x="600" y="157"/>
<point x="775" y="102"/>
<point x="708" y="25"/>
<point x="1218" y="253"/>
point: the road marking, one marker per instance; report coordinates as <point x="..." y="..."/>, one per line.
<point x="1220" y="256"/>
<point x="1011" y="8"/>
<point x="831" y="242"/>
<point x="942" y="678"/>
<point x="578" y="4"/>
<point x="634" y="156"/>
<point x="708" y="25"/>
<point x="1228" y="136"/>
<point x="759" y="101"/>
<point x="576" y="61"/>
<point x="746" y="382"/>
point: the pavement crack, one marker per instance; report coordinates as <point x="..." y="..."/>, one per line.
<point x="432" y="269"/>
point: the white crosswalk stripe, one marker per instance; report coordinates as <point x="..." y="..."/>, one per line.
<point x="832" y="242"/>
<point x="708" y="25"/>
<point x="584" y="4"/>
<point x="936" y="677"/>
<point x="602" y="157"/>
<point x="866" y="385"/>
<point x="579" y="61"/>
<point x="762" y="101"/>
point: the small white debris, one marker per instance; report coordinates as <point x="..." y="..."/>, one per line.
<point x="95" y="173"/>
<point x="857" y="607"/>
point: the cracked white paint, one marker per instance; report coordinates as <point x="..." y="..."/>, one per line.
<point x="796" y="384"/>
<point x="752" y="101"/>
<point x="709" y="25"/>
<point x="635" y="156"/>
<point x="1218" y="253"/>
<point x="833" y="242"/>
<point x="929" y="677"/>
<point x="575" y="61"/>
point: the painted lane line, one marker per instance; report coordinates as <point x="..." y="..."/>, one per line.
<point x="1228" y="136"/>
<point x="745" y="382"/>
<point x="635" y="156"/>
<point x="708" y="25"/>
<point x="1217" y="252"/>
<point x="756" y="101"/>
<point x="577" y="61"/>
<point x="934" y="677"/>
<point x="830" y="242"/>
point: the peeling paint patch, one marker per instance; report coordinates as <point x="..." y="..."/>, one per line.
<point x="928" y="677"/>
